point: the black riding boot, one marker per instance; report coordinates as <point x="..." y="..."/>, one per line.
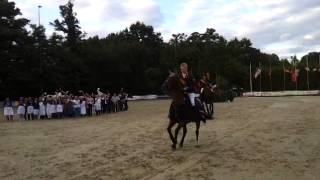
<point x="200" y="114"/>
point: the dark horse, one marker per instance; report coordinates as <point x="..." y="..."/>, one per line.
<point x="181" y="112"/>
<point x="207" y="100"/>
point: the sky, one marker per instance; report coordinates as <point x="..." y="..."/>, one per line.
<point x="283" y="27"/>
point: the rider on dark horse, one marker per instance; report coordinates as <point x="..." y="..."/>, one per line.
<point x="206" y="81"/>
<point x="188" y="83"/>
<point x="184" y="107"/>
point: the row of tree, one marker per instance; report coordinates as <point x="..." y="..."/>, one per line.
<point x="135" y="58"/>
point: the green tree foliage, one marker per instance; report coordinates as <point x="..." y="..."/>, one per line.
<point x="13" y="40"/>
<point x="135" y="58"/>
<point x="69" y="25"/>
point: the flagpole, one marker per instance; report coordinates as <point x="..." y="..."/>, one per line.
<point x="250" y="78"/>
<point x="308" y="73"/>
<point x="270" y="75"/>
<point x="260" y="75"/>
<point x="318" y="69"/>
<point x="295" y="72"/>
<point x="284" y="77"/>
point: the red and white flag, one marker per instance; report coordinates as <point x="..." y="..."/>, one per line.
<point x="294" y="75"/>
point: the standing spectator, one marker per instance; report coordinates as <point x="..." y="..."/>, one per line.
<point x="21" y="111"/>
<point x="30" y="109"/>
<point x="53" y="108"/>
<point x="48" y="109"/>
<point x="76" y="106"/>
<point x="115" y="102"/>
<point x="68" y="107"/>
<point x="25" y="107"/>
<point x="103" y="103"/>
<point x="42" y="109"/>
<point x="8" y="109"/>
<point x="36" y="108"/>
<point x="109" y="103"/>
<point x="98" y="105"/>
<point x="90" y="102"/>
<point x="125" y="101"/>
<point x="83" y="107"/>
<point x="59" y="109"/>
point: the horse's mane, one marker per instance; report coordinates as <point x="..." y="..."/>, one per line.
<point x="175" y="88"/>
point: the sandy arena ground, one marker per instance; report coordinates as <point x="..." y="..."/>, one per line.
<point x="252" y="138"/>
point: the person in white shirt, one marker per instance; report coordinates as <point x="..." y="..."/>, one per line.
<point x="48" y="109"/>
<point x="53" y="109"/>
<point x="76" y="106"/>
<point x="8" y="109"/>
<point x="36" y="109"/>
<point x="21" y="111"/>
<point x="83" y="107"/>
<point x="42" y="109"/>
<point x="59" y="109"/>
<point x="97" y="105"/>
<point x="115" y="101"/>
<point x="30" y="109"/>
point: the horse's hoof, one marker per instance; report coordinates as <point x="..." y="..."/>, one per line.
<point x="173" y="147"/>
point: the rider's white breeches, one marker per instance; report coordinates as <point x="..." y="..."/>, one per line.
<point x="191" y="97"/>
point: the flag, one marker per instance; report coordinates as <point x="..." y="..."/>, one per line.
<point x="287" y="71"/>
<point x="293" y="76"/>
<point x="258" y="72"/>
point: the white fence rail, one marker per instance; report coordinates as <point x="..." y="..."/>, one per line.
<point x="282" y="93"/>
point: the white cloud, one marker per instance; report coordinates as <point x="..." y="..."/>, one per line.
<point x="103" y="16"/>
<point x="308" y="37"/>
<point x="275" y="26"/>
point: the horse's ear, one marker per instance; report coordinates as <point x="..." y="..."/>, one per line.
<point x="171" y="73"/>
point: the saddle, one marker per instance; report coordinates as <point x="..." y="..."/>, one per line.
<point x="186" y="111"/>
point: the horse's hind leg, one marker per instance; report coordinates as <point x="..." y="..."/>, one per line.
<point x="211" y="109"/>
<point x="207" y="110"/>
<point x="184" y="135"/>
<point x="170" y="125"/>
<point x="197" y="129"/>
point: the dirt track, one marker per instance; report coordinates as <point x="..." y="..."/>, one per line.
<point x="252" y="138"/>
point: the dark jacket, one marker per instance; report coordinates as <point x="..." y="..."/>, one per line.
<point x="188" y="82"/>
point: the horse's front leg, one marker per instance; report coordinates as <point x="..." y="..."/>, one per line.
<point x="197" y="129"/>
<point x="171" y="124"/>
<point x="176" y="135"/>
<point x="184" y="135"/>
